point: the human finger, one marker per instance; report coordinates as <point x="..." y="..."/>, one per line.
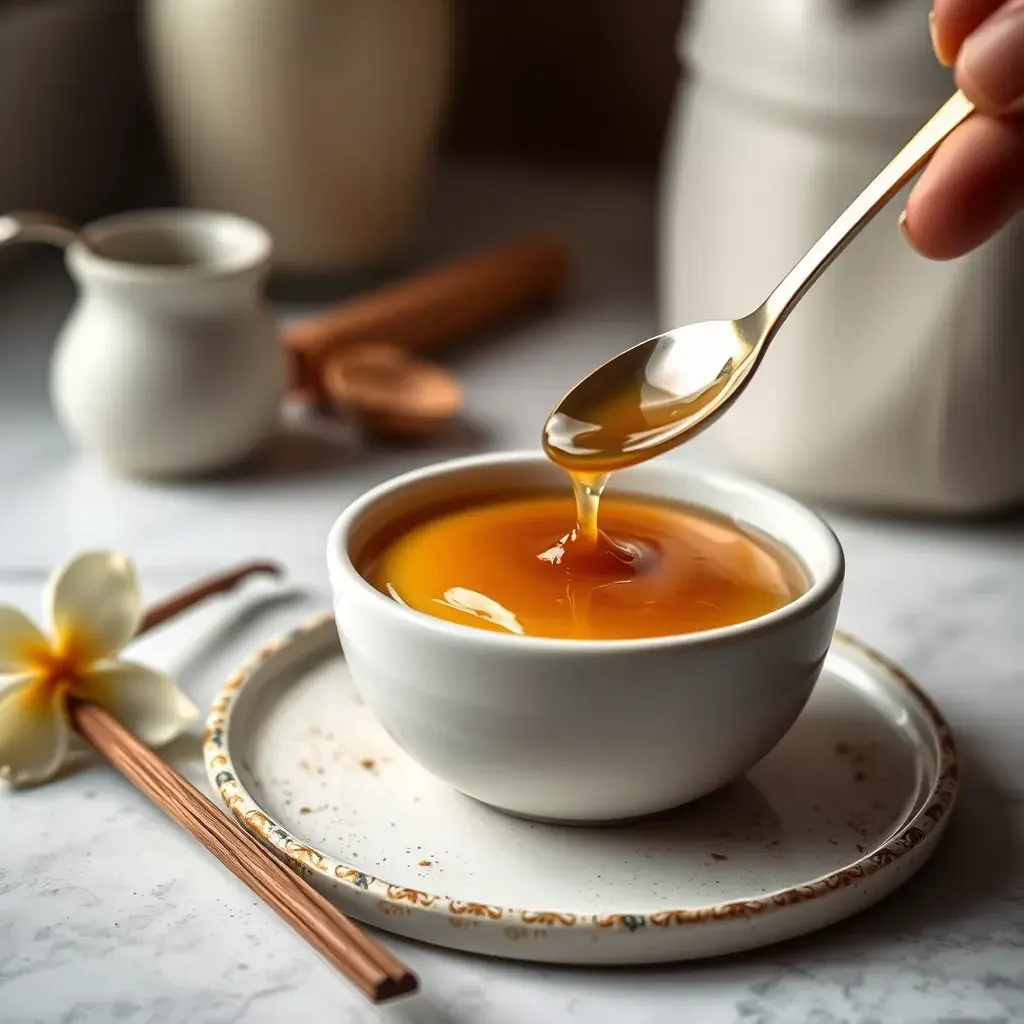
<point x="952" y="21"/>
<point x="971" y="188"/>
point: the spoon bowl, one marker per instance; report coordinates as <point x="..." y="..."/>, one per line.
<point x="647" y="399"/>
<point x="657" y="394"/>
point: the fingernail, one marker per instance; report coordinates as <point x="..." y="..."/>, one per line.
<point x="935" y="41"/>
<point x="906" y="234"/>
<point x="990" y="64"/>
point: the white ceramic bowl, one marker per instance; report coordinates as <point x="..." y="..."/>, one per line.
<point x="584" y="731"/>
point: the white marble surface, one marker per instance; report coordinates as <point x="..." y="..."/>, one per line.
<point x="108" y="913"/>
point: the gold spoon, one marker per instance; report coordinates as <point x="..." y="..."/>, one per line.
<point x="652" y="397"/>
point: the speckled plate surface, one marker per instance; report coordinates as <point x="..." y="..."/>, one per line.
<point x="843" y="811"/>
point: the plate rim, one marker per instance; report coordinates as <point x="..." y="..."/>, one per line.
<point x="222" y="773"/>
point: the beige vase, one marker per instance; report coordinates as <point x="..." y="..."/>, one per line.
<point x="317" y="118"/>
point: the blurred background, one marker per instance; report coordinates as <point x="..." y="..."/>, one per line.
<point x="686" y="154"/>
<point x="584" y="82"/>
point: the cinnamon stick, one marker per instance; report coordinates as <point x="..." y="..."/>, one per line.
<point x="422" y="313"/>
<point x="366" y="964"/>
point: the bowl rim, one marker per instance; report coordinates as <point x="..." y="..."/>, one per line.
<point x="822" y="589"/>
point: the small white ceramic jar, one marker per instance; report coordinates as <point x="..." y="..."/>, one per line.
<point x="896" y="382"/>
<point x="169" y="362"/>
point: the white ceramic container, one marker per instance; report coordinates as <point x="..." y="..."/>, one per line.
<point x="896" y="382"/>
<point x="168" y="363"/>
<point x="584" y="731"/>
<point x="318" y="118"/>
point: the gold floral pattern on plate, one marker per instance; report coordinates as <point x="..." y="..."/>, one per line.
<point x="458" y="908"/>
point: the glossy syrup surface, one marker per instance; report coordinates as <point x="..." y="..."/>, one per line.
<point x="508" y="565"/>
<point x="643" y="402"/>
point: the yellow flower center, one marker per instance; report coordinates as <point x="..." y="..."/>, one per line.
<point x="56" y="668"/>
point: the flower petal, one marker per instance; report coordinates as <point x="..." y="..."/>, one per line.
<point x="94" y="606"/>
<point x="20" y="641"/>
<point x="146" y="702"/>
<point x="12" y="680"/>
<point x="33" y="732"/>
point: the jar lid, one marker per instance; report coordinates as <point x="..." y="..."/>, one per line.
<point x="862" y="58"/>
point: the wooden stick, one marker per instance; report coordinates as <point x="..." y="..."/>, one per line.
<point x="374" y="971"/>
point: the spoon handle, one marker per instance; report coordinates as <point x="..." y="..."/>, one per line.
<point x="907" y="162"/>
<point x="36" y="227"/>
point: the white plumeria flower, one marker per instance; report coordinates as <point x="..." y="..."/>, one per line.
<point x="94" y="610"/>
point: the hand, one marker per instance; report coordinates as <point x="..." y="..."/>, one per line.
<point x="975" y="182"/>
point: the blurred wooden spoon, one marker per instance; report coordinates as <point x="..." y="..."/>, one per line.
<point x="389" y="393"/>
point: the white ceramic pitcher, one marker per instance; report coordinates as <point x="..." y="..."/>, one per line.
<point x="896" y="383"/>
<point x="168" y="363"/>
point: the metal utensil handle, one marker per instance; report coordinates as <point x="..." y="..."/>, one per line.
<point x="907" y="162"/>
<point x="29" y="226"/>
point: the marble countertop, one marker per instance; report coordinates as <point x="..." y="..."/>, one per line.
<point x="110" y="913"/>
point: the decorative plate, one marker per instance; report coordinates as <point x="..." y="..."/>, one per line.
<point x="845" y="809"/>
